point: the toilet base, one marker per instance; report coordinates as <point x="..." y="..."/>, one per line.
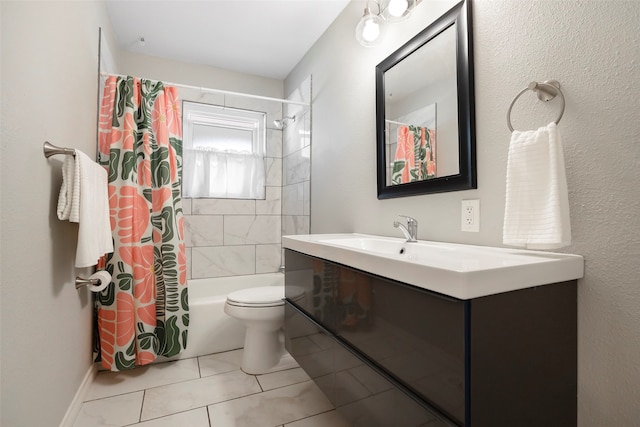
<point x="264" y="352"/>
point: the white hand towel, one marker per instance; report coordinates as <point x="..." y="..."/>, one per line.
<point x="536" y="214"/>
<point x="84" y="199"/>
<point x="69" y="198"/>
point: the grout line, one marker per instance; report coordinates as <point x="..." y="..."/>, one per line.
<point x="144" y="394"/>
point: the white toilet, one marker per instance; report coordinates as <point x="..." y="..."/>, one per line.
<point x="262" y="311"/>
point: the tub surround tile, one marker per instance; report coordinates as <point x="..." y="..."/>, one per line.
<point x="295" y="224"/>
<point x="274" y="143"/>
<point x="195" y="418"/>
<point x="221" y="261"/>
<point x="118" y="410"/>
<point x="268" y="258"/>
<point x="297" y="166"/>
<point x="186" y="395"/>
<point x="203" y="230"/>
<point x="189" y="257"/>
<point x="186" y="206"/>
<point x="272" y="203"/>
<point x="274" y="172"/>
<point x="252" y="230"/>
<point x="271" y="408"/>
<point x="111" y="383"/>
<point x="293" y="199"/>
<point x="223" y="207"/>
<point x="282" y="378"/>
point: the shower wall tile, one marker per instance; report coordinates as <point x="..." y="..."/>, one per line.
<point x="293" y="199"/>
<point x="221" y="261"/>
<point x="203" y="230"/>
<point x="274" y="143"/>
<point x="274" y="172"/>
<point x="223" y="207"/>
<point x="186" y="206"/>
<point x="268" y="258"/>
<point x="251" y="230"/>
<point x="295" y="224"/>
<point x="227" y="237"/>
<point x="272" y="205"/>
<point x="297" y="166"/>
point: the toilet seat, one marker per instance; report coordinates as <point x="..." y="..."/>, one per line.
<point x="265" y="296"/>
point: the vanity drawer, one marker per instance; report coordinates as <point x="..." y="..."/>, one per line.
<point x="363" y="395"/>
<point x="405" y="331"/>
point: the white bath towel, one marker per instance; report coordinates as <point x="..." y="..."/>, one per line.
<point x="536" y="214"/>
<point x="84" y="199"/>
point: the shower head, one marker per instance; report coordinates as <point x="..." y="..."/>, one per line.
<point x="280" y="123"/>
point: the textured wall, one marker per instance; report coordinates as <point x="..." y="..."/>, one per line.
<point x="49" y="87"/>
<point x="592" y="48"/>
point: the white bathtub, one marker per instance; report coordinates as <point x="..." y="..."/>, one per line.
<point x="211" y="330"/>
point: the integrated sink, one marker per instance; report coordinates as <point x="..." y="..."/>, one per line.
<point x="460" y="271"/>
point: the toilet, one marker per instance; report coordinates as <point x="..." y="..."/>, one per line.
<point x="262" y="312"/>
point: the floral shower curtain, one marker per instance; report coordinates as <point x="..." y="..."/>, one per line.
<point x="144" y="311"/>
<point x="415" y="157"/>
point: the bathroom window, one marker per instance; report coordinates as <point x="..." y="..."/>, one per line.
<point x="223" y="152"/>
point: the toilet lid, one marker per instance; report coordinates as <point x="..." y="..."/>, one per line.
<point x="258" y="296"/>
<point x="264" y="296"/>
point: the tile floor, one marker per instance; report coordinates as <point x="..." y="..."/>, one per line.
<point x="207" y="391"/>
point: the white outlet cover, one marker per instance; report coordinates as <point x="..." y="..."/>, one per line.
<point x="470" y="215"/>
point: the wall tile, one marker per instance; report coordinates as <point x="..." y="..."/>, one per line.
<point x="268" y="258"/>
<point x="274" y="143"/>
<point x="295" y="224"/>
<point x="186" y="206"/>
<point x="223" y="261"/>
<point x="297" y="166"/>
<point x="293" y="199"/>
<point x="203" y="230"/>
<point x="272" y="205"/>
<point x="248" y="230"/>
<point x="274" y="172"/>
<point x="189" y="257"/>
<point x="223" y="207"/>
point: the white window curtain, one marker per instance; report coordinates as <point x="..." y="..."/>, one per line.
<point x="223" y="174"/>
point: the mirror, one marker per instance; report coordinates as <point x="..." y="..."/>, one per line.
<point x="425" y="112"/>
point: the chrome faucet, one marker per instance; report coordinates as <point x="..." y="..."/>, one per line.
<point x="410" y="231"/>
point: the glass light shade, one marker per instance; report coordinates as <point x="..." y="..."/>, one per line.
<point x="369" y="29"/>
<point x="397" y="10"/>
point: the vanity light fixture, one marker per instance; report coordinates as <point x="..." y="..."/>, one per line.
<point x="370" y="28"/>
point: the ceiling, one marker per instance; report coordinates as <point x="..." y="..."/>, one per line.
<point x="261" y="37"/>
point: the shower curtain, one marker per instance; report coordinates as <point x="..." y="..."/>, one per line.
<point x="144" y="311"/>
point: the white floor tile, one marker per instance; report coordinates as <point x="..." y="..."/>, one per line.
<point x="220" y="363"/>
<point x="195" y="418"/>
<point x="186" y="395"/>
<point x="282" y="378"/>
<point x="271" y="408"/>
<point x="326" y="419"/>
<point x="115" y="383"/>
<point x="119" y="410"/>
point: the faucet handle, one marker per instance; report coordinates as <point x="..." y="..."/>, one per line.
<point x="409" y="219"/>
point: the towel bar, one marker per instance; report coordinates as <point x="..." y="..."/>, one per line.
<point x="52" y="150"/>
<point x="546" y="91"/>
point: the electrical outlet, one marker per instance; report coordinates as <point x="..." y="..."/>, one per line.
<point x="470" y="216"/>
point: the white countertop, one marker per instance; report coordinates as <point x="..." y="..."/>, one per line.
<point x="457" y="270"/>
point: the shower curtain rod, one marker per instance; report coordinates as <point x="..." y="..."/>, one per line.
<point x="224" y="92"/>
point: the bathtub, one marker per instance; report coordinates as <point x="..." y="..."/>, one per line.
<point x="211" y="330"/>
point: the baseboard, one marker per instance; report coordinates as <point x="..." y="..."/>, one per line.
<point x="76" y="404"/>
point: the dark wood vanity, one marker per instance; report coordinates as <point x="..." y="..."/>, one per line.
<point x="391" y="354"/>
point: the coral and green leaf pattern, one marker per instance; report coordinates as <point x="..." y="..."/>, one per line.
<point x="144" y="312"/>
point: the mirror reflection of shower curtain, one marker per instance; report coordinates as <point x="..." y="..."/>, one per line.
<point x="143" y="312"/>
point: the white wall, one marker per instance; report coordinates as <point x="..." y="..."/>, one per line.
<point x="591" y="47"/>
<point x="49" y="92"/>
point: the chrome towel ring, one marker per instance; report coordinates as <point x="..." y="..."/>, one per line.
<point x="546" y="91"/>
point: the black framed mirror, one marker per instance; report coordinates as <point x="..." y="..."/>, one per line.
<point x="425" y="115"/>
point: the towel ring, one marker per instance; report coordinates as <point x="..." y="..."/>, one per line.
<point x="546" y="91"/>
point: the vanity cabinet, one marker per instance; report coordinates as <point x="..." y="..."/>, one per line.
<point x="392" y="354"/>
